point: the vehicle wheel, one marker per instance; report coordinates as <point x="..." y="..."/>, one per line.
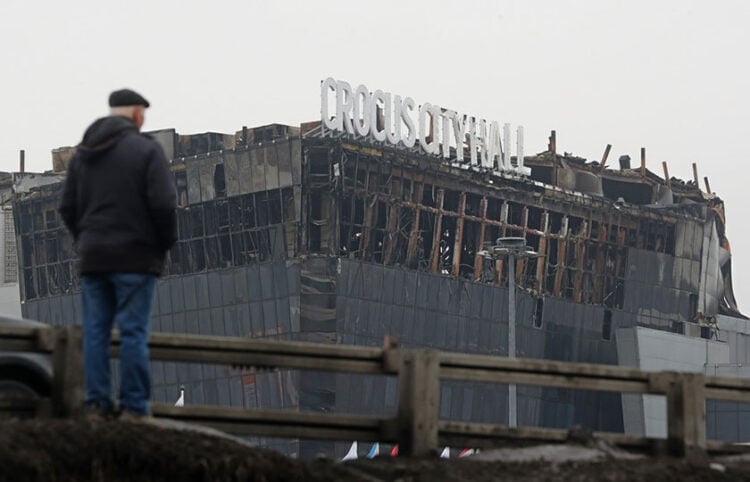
<point x="16" y="389"/>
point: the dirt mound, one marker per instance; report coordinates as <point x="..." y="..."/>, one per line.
<point x="110" y="450"/>
<point x="117" y="451"/>
<point x="393" y="470"/>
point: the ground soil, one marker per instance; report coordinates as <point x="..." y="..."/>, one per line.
<point x="97" y="449"/>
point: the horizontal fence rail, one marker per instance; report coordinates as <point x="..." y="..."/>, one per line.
<point x="277" y="423"/>
<point x="416" y="427"/>
<point x="262" y="353"/>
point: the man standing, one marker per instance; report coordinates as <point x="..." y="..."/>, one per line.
<point x="119" y="204"/>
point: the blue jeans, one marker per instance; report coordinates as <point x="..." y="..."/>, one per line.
<point x="124" y="298"/>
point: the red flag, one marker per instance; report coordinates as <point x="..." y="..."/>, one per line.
<point x="394" y="450"/>
<point x="467" y="452"/>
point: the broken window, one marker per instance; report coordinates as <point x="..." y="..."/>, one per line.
<point x="220" y="181"/>
<point x="11" y="257"/>
<point x="382" y="207"/>
<point x="539" y="312"/>
<point x="607" y="325"/>
<point x="182" y="188"/>
<point x="693" y="306"/>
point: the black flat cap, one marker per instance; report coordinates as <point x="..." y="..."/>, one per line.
<point x="126" y="97"/>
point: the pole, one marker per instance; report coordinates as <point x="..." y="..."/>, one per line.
<point x="643" y="162"/>
<point x="512" y="418"/>
<point x="604" y="158"/>
<point x="553" y="149"/>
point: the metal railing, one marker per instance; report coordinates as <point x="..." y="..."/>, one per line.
<point x="416" y="427"/>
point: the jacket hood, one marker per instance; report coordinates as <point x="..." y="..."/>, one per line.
<point x="103" y="134"/>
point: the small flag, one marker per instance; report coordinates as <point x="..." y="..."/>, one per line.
<point x="446" y="453"/>
<point x="467" y="452"/>
<point x="374" y="451"/>
<point x="394" y="450"/>
<point x="181" y="401"/>
<point x="352" y="453"/>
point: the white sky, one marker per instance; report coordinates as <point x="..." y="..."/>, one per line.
<point x="668" y="75"/>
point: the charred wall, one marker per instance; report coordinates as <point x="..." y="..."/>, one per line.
<point x="407" y="211"/>
<point x="237" y="207"/>
<point x="45" y="250"/>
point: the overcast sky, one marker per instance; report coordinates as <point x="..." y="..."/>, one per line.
<point x="670" y="75"/>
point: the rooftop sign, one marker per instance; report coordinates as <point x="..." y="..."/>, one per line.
<point x="385" y="117"/>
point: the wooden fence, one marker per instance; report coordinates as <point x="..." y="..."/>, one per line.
<point x="416" y="427"/>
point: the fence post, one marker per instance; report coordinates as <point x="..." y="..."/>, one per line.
<point x="419" y="395"/>
<point x="67" y="365"/>
<point x="686" y="415"/>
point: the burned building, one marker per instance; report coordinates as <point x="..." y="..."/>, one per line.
<point x="311" y="233"/>
<point x="10" y="183"/>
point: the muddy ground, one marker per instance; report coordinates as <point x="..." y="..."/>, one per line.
<point x="114" y="450"/>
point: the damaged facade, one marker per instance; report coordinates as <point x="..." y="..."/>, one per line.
<point x="295" y="233"/>
<point x="9" y="292"/>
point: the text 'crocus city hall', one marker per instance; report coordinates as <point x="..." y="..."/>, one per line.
<point x="373" y="222"/>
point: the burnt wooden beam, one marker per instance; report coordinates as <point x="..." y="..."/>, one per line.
<point x="352" y="206"/>
<point x="394" y="211"/>
<point x="580" y="258"/>
<point x="521" y="263"/>
<point x="476" y="219"/>
<point x="414" y="233"/>
<point x="542" y="259"/>
<point x="364" y="241"/>
<point x="437" y="233"/>
<point x="603" y="163"/>
<point x="458" y="242"/>
<point x="392" y="225"/>
<point x="562" y="248"/>
<point x="478" y="260"/>
<point x="601" y="217"/>
<point x="554" y="201"/>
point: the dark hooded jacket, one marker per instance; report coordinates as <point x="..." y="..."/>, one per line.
<point x="119" y="200"/>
